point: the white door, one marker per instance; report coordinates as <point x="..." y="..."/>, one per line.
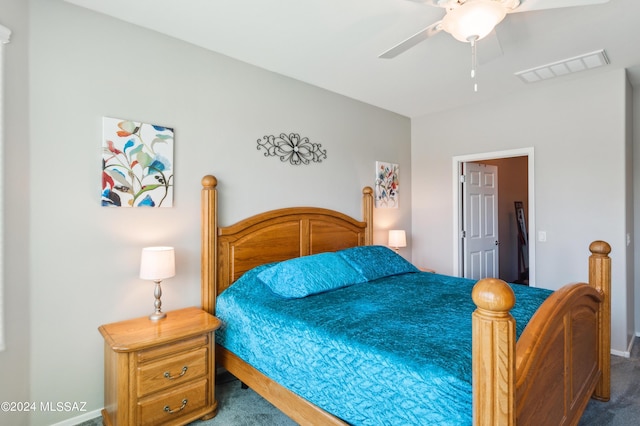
<point x="480" y="221"/>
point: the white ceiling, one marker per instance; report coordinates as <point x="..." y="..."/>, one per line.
<point x="334" y="44"/>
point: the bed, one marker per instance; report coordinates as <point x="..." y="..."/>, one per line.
<point x="544" y="373"/>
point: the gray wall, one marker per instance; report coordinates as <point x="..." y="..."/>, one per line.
<point x="71" y="265"/>
<point x="580" y="137"/>
<point x="631" y="310"/>
<point x="636" y="199"/>
<point x="83" y="259"/>
<point x="14" y="361"/>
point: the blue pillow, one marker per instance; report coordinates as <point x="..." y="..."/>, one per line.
<point x="375" y="262"/>
<point x="307" y="275"/>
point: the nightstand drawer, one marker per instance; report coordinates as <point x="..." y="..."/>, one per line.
<point x="164" y="350"/>
<point x="172" y="371"/>
<point x="171" y="406"/>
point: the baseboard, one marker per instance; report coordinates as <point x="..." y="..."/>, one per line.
<point x="79" y="419"/>
<point x="631" y="343"/>
<point x="627" y="353"/>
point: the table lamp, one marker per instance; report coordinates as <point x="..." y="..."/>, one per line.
<point x="156" y="264"/>
<point x="397" y="239"/>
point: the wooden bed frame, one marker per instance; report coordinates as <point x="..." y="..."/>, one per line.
<point x="561" y="360"/>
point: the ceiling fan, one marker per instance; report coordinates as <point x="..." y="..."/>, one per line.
<point x="472" y="20"/>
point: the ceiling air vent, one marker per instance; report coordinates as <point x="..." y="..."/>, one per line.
<point x="567" y="66"/>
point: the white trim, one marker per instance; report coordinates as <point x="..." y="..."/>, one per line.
<point x="79" y="419"/>
<point x="624" y="354"/>
<point x="627" y="353"/>
<point x="5" y="34"/>
<point x="457" y="164"/>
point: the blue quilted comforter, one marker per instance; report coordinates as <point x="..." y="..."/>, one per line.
<point x="394" y="351"/>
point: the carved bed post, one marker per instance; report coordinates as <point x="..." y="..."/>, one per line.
<point x="600" y="279"/>
<point x="209" y="252"/>
<point x="367" y="214"/>
<point x="494" y="346"/>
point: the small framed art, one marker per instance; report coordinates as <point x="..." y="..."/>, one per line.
<point x="387" y="185"/>
<point x="137" y="164"/>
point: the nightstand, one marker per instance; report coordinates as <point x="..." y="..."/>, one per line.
<point x="160" y="372"/>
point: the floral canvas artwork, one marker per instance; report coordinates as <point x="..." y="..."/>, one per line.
<point x="386" y="192"/>
<point x="137" y="164"/>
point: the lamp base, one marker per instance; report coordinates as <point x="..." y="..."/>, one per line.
<point x="157" y="316"/>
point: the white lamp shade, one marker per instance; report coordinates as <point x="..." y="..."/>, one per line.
<point x="474" y="19"/>
<point x="157" y="263"/>
<point x="397" y="238"/>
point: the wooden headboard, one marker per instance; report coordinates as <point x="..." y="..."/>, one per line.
<point x="276" y="235"/>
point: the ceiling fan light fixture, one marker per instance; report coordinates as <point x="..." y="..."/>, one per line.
<point x="474" y="19"/>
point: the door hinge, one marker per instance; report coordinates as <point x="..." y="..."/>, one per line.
<point x="463" y="234"/>
<point x="463" y="178"/>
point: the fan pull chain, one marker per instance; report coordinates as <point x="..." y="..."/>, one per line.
<point x="474" y="62"/>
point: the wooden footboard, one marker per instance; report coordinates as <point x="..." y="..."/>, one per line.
<point x="561" y="360"/>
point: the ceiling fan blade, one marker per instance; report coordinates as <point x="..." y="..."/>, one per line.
<point x="412" y="41"/>
<point x="528" y="5"/>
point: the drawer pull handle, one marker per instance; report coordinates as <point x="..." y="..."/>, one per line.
<point x="170" y="411"/>
<point x="170" y="377"/>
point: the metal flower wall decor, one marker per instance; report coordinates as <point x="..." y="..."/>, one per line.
<point x="292" y="148"/>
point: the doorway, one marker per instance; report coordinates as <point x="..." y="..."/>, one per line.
<point x="508" y="222"/>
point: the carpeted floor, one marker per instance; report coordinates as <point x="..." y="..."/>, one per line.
<point x="243" y="407"/>
<point x="252" y="411"/>
<point x="624" y="407"/>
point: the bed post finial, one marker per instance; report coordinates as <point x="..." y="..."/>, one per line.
<point x="367" y="214"/>
<point x="209" y="240"/>
<point x="209" y="182"/>
<point x="493" y="353"/>
<point x="600" y="279"/>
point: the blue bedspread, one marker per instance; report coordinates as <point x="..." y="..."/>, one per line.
<point x="393" y="351"/>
